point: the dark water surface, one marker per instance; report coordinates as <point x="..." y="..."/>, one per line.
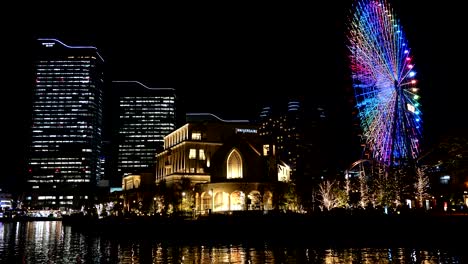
<point x="52" y="242"/>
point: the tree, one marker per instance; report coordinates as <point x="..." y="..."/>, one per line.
<point x="382" y="192"/>
<point x="421" y="186"/>
<point x="329" y="195"/>
<point x="286" y="196"/>
<point x="163" y="198"/>
<point x="401" y="185"/>
<point x="364" y="190"/>
<point x="186" y="194"/>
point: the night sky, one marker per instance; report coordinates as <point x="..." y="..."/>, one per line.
<point x="230" y="60"/>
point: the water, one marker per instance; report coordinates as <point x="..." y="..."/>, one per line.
<point x="52" y="242"/>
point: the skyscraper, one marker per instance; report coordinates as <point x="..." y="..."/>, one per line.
<point x="63" y="156"/>
<point x="145" y="116"/>
<point x="299" y="132"/>
<point x="298" y="129"/>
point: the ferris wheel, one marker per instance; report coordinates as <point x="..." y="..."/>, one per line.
<point x="384" y="83"/>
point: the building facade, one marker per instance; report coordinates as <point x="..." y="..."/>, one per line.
<point x="300" y="135"/>
<point x="214" y="165"/>
<point x="63" y="157"/>
<point x="145" y="116"/>
<point x="283" y="127"/>
<point x="137" y="193"/>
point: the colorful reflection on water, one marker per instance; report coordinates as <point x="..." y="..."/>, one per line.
<point x="52" y="242"/>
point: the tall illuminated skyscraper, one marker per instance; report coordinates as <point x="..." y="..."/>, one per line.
<point x="146" y="115"/>
<point x="63" y="156"/>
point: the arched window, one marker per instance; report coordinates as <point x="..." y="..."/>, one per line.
<point x="234" y="165"/>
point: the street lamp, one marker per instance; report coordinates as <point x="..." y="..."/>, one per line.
<point x="183" y="200"/>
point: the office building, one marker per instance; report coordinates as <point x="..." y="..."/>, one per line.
<point x="63" y="156"/>
<point x="283" y="127"/>
<point x="145" y="116"/>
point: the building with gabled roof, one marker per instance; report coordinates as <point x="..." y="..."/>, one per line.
<point x="210" y="164"/>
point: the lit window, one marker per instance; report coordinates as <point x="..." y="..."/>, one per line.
<point x="266" y="150"/>
<point x="193" y="154"/>
<point x="445" y="179"/>
<point x="284" y="172"/>
<point x="196" y="136"/>
<point x="234" y="165"/>
<point x="201" y="154"/>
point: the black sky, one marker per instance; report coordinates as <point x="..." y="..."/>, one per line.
<point x="229" y="59"/>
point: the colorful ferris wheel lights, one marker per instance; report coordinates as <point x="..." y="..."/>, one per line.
<point x="384" y="83"/>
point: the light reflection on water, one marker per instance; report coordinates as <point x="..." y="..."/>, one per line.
<point x="51" y="242"/>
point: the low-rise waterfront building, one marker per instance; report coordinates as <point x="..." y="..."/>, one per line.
<point x="215" y="165"/>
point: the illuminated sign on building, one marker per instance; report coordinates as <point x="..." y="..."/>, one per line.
<point x="48" y="44"/>
<point x="246" y="130"/>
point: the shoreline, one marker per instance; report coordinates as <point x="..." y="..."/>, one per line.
<point x="420" y="230"/>
<point x="28" y="219"/>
